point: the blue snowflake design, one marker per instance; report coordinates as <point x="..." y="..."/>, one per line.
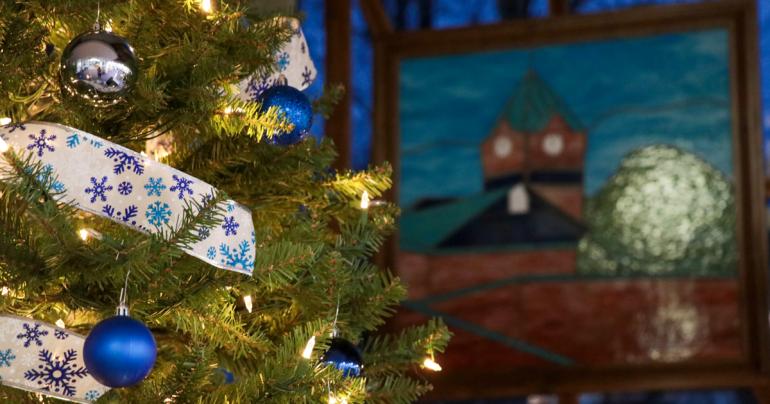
<point x="230" y="226"/>
<point x="154" y="186"/>
<point x="95" y="142"/>
<point x="41" y="143"/>
<point x="47" y="173"/>
<point x="257" y="86"/>
<point x="99" y="189"/>
<point x="92" y="395"/>
<point x="237" y="257"/>
<point x="55" y="374"/>
<point x="158" y="213"/>
<point x="125" y="188"/>
<point x="60" y="334"/>
<point x="124" y="216"/>
<point x="211" y="253"/>
<point x="253" y="237"/>
<point x="182" y="185"/>
<point x="207" y="198"/>
<point x="204" y="232"/>
<point x="230" y="206"/>
<point x="14" y="126"/>
<point x="45" y="176"/>
<point x="124" y="161"/>
<point x="282" y="60"/>
<point x="6" y="357"/>
<point x="307" y="76"/>
<point x="32" y="334"/>
<point x="303" y="47"/>
<point x="73" y="141"/>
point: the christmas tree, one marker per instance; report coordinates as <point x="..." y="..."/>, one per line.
<point x="223" y="336"/>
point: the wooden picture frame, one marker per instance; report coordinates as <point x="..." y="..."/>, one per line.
<point x="739" y="19"/>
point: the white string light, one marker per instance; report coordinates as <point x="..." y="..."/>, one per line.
<point x="5" y="121"/>
<point x="248" y="303"/>
<point x="337" y="400"/>
<point x="365" y="200"/>
<point x="308" y="351"/>
<point x="4" y="146"/>
<point x="206" y="6"/>
<point x="430" y="364"/>
<point x="4" y="291"/>
<point x="86" y="233"/>
<point x="60" y="323"/>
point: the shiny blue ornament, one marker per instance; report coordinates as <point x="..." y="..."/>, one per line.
<point x="119" y="351"/>
<point x="296" y="108"/>
<point x="344" y="356"/>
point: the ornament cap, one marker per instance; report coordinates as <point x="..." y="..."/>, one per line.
<point x="122" y="310"/>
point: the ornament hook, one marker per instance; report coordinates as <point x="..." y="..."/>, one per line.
<point x="97" y="26"/>
<point x="122" y="309"/>
<point x="335" y="331"/>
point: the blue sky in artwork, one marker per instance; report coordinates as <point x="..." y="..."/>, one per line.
<point x="629" y="92"/>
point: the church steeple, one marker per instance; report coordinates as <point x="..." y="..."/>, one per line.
<point x="537" y="140"/>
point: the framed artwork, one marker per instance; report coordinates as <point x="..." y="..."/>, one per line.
<point x="582" y="198"/>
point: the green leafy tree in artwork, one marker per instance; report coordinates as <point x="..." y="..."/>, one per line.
<point x="664" y="211"/>
<point x="314" y="243"/>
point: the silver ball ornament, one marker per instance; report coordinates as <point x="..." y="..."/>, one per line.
<point x="99" y="68"/>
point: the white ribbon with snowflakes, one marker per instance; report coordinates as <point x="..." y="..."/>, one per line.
<point x="293" y="67"/>
<point x="112" y="181"/>
<point x="42" y="358"/>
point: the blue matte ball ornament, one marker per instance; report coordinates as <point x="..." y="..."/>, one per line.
<point x="296" y="108"/>
<point x="119" y="351"/>
<point x="227" y="376"/>
<point x="344" y="356"/>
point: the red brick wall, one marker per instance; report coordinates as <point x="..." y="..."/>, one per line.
<point x="431" y="274"/>
<point x="596" y="322"/>
<point x="494" y="166"/>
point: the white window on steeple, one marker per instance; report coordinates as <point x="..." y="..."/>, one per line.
<point x="553" y="144"/>
<point x="503" y="146"/>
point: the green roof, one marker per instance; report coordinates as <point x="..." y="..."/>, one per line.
<point x="534" y="103"/>
<point x="426" y="228"/>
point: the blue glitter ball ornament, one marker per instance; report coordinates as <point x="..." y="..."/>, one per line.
<point x="296" y="108"/>
<point x="119" y="351"/>
<point x="344" y="356"/>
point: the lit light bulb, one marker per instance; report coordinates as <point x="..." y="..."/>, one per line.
<point x="5" y="121"/>
<point x="147" y="159"/>
<point x="430" y="364"/>
<point x="365" y="200"/>
<point x="4" y="291"/>
<point x="337" y="400"/>
<point x="206" y="6"/>
<point x="108" y="26"/>
<point x="160" y="154"/>
<point x="247" y="302"/>
<point x="60" y="323"/>
<point x="85" y="234"/>
<point x="308" y="351"/>
<point x="3" y="146"/>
